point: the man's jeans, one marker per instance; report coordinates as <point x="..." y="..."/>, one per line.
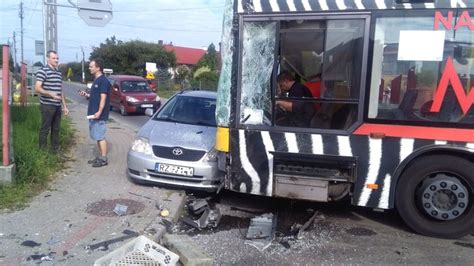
<point x="51" y="121"/>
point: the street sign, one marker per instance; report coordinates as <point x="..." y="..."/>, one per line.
<point x="95" y="13"/>
<point x="39" y="47"/>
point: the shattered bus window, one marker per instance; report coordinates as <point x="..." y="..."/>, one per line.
<point x="258" y="57"/>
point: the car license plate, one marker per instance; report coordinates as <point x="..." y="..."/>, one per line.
<point x="174" y="169"/>
<point x="147" y="105"/>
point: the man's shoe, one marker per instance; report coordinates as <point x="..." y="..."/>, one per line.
<point x="92" y="161"/>
<point x="99" y="163"/>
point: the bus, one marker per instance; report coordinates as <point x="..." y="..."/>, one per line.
<point x="391" y="125"/>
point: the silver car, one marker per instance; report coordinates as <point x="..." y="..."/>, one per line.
<point x="176" y="146"/>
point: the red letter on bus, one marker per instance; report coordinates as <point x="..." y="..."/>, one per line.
<point x="447" y="23"/>
<point x="450" y="75"/>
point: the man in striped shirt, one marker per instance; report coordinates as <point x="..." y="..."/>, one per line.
<point x="49" y="86"/>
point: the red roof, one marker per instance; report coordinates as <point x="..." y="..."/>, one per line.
<point x="185" y="55"/>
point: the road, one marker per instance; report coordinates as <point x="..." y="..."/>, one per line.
<point x="133" y="120"/>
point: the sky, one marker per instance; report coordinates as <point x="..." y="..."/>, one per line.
<point x="188" y="23"/>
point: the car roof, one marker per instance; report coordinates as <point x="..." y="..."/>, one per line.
<point x="126" y="77"/>
<point x="199" y="93"/>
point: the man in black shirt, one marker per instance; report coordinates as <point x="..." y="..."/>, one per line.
<point x="298" y="113"/>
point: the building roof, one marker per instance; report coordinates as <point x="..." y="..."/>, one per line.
<point x="185" y="55"/>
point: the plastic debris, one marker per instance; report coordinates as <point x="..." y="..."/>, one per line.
<point x="104" y="245"/>
<point x="120" y="209"/>
<point x="165" y="213"/>
<point x="261" y="231"/>
<point x="210" y="218"/>
<point x="30" y="243"/>
<point x="198" y="206"/>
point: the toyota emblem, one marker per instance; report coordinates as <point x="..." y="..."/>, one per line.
<point x="177" y="151"/>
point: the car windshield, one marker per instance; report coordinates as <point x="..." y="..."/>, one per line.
<point x="189" y="110"/>
<point x="135" y="86"/>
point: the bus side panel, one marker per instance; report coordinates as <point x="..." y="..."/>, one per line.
<point x="377" y="159"/>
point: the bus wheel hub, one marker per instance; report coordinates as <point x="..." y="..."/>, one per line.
<point x="443" y="197"/>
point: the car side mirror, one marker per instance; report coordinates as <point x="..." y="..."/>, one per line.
<point x="149" y="111"/>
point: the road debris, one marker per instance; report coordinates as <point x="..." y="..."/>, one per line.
<point x="120" y="209"/>
<point x="261" y="231"/>
<point x="210" y="218"/>
<point x="30" y="243"/>
<point x="306" y="225"/>
<point x="104" y="245"/>
<point x="165" y="213"/>
<point x="198" y="206"/>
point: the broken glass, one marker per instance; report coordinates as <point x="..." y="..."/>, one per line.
<point x="258" y="57"/>
<point x="223" y="90"/>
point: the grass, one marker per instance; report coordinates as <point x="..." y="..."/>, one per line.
<point x="34" y="167"/>
<point x="167" y="93"/>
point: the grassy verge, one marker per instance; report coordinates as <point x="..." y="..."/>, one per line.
<point x="34" y="167"/>
<point x="166" y="93"/>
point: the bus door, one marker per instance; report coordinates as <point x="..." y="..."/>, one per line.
<point x="332" y="48"/>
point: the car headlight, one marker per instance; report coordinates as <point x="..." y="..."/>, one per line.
<point x="211" y="156"/>
<point x="131" y="99"/>
<point x="142" y="145"/>
<point x="157" y="98"/>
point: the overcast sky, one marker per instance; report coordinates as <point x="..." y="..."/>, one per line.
<point x="189" y="23"/>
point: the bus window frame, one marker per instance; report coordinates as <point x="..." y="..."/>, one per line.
<point x="365" y="15"/>
<point x="428" y="13"/>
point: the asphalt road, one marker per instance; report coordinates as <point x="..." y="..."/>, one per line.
<point x="135" y="121"/>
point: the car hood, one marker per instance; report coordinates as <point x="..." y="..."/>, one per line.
<point x="142" y="96"/>
<point x="170" y="134"/>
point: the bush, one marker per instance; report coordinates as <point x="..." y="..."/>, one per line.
<point x="34" y="166"/>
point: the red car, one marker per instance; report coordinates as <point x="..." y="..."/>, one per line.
<point x="132" y="94"/>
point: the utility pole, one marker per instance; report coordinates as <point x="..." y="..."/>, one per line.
<point x="21" y="19"/>
<point x="83" y="74"/>
<point x="14" y="51"/>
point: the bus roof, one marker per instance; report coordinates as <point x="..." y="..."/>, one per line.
<point x="285" y="6"/>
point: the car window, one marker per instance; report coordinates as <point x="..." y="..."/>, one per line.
<point x="189" y="110"/>
<point x="135" y="86"/>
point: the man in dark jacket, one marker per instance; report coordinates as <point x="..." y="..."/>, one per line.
<point x="298" y="113"/>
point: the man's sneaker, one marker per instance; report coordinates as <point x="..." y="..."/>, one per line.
<point x="92" y="161"/>
<point x="99" y="163"/>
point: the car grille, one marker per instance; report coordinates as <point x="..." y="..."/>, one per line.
<point x="187" y="155"/>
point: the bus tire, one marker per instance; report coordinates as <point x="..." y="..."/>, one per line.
<point x="435" y="196"/>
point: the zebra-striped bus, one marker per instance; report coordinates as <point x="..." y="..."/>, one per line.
<point x="389" y="122"/>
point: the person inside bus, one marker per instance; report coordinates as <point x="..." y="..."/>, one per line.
<point x="293" y="113"/>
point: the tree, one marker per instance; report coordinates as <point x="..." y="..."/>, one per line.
<point x="183" y="73"/>
<point x="130" y="57"/>
<point x="209" y="59"/>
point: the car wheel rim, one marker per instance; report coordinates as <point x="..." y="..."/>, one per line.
<point x="443" y="197"/>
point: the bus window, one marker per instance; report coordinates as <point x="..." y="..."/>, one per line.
<point x="333" y="50"/>
<point x="404" y="83"/>
<point x="258" y="56"/>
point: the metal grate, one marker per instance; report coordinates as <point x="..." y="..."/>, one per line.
<point x="186" y="154"/>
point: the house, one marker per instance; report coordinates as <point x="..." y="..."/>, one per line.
<point x="185" y="55"/>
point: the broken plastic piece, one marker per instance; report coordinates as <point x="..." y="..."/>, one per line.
<point x="198" y="206"/>
<point x="120" y="209"/>
<point x="210" y="218"/>
<point x="261" y="231"/>
<point x="165" y="213"/>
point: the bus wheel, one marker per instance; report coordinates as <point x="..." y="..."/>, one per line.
<point x="435" y="196"/>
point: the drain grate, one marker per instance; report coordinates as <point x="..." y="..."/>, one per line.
<point x="106" y="208"/>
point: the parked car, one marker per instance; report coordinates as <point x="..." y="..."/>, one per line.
<point x="176" y="146"/>
<point x="132" y="94"/>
